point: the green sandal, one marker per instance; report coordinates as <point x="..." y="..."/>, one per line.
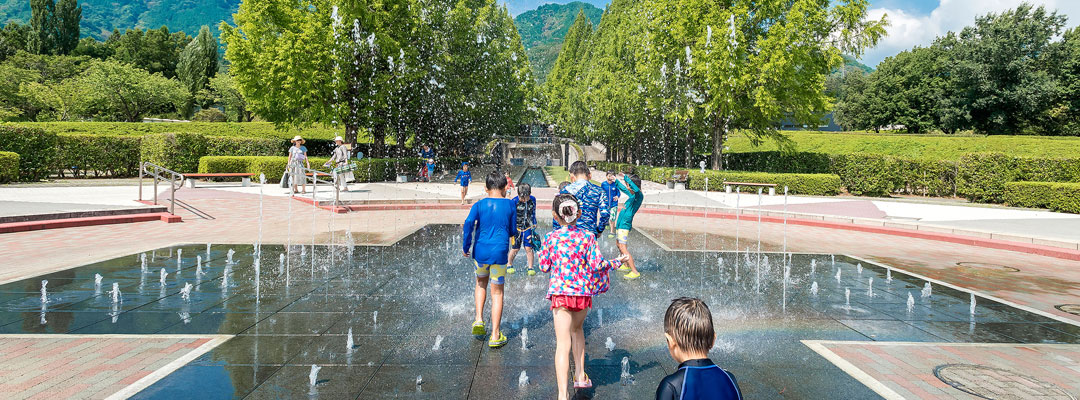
<point x="497" y="343"/>
<point x="478" y="328"/>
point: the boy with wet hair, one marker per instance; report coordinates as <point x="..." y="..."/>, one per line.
<point x="611" y="190"/>
<point x="466" y="178"/>
<point x="688" y="327"/>
<point x="525" y="208"/>
<point x="492" y="219"/>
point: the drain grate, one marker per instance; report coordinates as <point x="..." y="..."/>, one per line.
<point x="995" y="383"/>
<point x="1069" y="308"/>
<point x="977" y="267"/>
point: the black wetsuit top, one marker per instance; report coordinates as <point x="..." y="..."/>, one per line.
<point x="699" y="379"/>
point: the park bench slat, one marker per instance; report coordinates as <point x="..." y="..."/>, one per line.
<point x="221" y="175"/>
<point x="749" y="184"/>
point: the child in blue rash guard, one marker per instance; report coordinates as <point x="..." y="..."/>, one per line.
<point x="631" y="185"/>
<point x="593" y="202"/>
<point x="525" y="208"/>
<point x="688" y="328"/>
<point x="492" y="219"/>
<point x="611" y="190"/>
<point x="466" y="178"/>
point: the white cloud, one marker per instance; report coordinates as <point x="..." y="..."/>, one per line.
<point x="908" y="30"/>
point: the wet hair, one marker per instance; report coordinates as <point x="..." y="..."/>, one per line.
<point x="563" y="185"/>
<point x="637" y="181"/>
<point x="524" y="191"/>
<point x="611" y="173"/>
<point x="689" y="323"/>
<point x="579" y="168"/>
<point x="495" y="180"/>
<point x="566" y="207"/>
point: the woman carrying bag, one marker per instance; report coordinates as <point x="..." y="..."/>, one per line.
<point x="342" y="167"/>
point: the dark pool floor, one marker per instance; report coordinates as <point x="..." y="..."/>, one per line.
<point x="398" y="301"/>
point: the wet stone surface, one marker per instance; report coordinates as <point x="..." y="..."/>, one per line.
<point x="397" y="300"/>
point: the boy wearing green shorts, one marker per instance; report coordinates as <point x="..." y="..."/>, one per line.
<point x="492" y="220"/>
<point x="631" y="186"/>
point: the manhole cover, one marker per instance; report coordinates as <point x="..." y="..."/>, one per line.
<point x="978" y="266"/>
<point x="1069" y="308"/>
<point x="996" y="383"/>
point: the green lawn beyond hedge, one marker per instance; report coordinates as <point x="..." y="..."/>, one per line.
<point x="226" y="129"/>
<point x="926" y="147"/>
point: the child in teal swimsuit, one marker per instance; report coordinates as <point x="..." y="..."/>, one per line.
<point x="631" y="186"/>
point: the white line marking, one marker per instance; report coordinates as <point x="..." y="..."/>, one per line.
<point x="851" y="369"/>
<point x="169" y="368"/>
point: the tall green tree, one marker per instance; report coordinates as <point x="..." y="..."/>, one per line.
<point x="13" y="39"/>
<point x="560" y="89"/>
<point x="43" y="29"/>
<point x="121" y="92"/>
<point x="222" y="90"/>
<point x="1001" y="70"/>
<point x="154" y="50"/>
<point x="198" y="62"/>
<point x="68" y="15"/>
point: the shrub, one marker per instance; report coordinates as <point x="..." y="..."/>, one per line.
<point x="1048" y="169"/>
<point x="242" y="146"/>
<point x="179" y="152"/>
<point x="804" y="184"/>
<point x="116" y="156"/>
<point x="981" y="177"/>
<point x="368" y="169"/>
<point x="1057" y="196"/>
<point x="36" y="150"/>
<point x="209" y="115"/>
<point x="776" y="161"/>
<point x="868" y="174"/>
<point x="9" y="166"/>
<point x="928" y="177"/>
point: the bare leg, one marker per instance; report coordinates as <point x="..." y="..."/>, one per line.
<point x="480" y="295"/>
<point x="563" y="337"/>
<point x="531" y="255"/>
<point x="630" y="258"/>
<point x="510" y="258"/>
<point x="577" y="333"/>
<point x="496" y="308"/>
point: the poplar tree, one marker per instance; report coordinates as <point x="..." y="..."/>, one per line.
<point x="198" y="62"/>
<point x="68" y="15"/>
<point x="42" y="38"/>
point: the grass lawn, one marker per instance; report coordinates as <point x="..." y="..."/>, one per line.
<point x="237" y="129"/>
<point x="939" y="147"/>
<point x="560" y="175"/>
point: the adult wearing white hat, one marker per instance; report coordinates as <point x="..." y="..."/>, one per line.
<point x="298" y="160"/>
<point x="342" y="168"/>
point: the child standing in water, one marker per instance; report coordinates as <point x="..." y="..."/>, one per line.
<point x="631" y="186"/>
<point x="578" y="272"/>
<point x="492" y="219"/>
<point x="525" y="207"/>
<point x="611" y="190"/>
<point x="466" y="178"/>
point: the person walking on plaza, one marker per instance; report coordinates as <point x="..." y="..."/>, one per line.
<point x="465" y="177"/>
<point x="509" y="184"/>
<point x="298" y="160"/>
<point x="341" y="167"/>
<point x="525" y="210"/>
<point x="492" y="221"/>
<point x="427" y="171"/>
<point x="611" y="190"/>
<point x="688" y="328"/>
<point x="631" y="186"/>
<point x="595" y="210"/>
<point x="578" y="272"/>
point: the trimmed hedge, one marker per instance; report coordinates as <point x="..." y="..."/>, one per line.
<point x="780" y="162"/>
<point x="9" y="166"/>
<point x="116" y="156"/>
<point x="868" y="174"/>
<point x="368" y="169"/>
<point x="35" y="147"/>
<point x="179" y="152"/>
<point x="982" y="176"/>
<point x="803" y="184"/>
<point x="1057" y="196"/>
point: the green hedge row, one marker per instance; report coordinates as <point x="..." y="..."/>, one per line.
<point x="181" y="152"/>
<point x="36" y="150"/>
<point x="9" y="166"/>
<point x="803" y="184"/>
<point x="82" y="155"/>
<point x="1057" y="196"/>
<point x="368" y="169"/>
<point x="982" y="177"/>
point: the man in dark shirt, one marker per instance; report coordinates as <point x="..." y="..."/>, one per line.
<point x="688" y="328"/>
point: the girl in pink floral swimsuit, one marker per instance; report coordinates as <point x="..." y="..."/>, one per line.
<point x="578" y="272"/>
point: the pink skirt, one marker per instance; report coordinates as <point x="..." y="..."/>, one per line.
<point x="571" y="303"/>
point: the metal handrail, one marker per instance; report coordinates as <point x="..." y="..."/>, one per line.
<point x="315" y="185"/>
<point x="175" y="179"/>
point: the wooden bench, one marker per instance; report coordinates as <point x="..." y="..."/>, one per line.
<point x="678" y="180"/>
<point x="771" y="186"/>
<point x="245" y="180"/>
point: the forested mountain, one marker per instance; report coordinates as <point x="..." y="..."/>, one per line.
<point x="100" y="17"/>
<point x="542" y="31"/>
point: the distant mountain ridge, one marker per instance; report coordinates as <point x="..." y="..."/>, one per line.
<point x="542" y="31"/>
<point x="100" y="17"/>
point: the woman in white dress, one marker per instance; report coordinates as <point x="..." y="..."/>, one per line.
<point x="298" y="160"/>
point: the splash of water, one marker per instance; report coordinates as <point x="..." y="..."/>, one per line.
<point x="813" y="266"/>
<point x="927" y="290"/>
<point x="115" y="292"/>
<point x="374" y="317"/>
<point x="419" y="382"/>
<point x="523" y="379"/>
<point x="814" y="289"/>
<point x="179" y="259"/>
<point x="44" y="293"/>
<point x="313" y="376"/>
<point x="888" y="275"/>
<point x="838" y="276"/>
<point x="910" y="303"/>
<point x="972" y="306"/>
<point x="600" y="315"/>
<point x="142" y="260"/>
<point x="438" y="343"/>
<point x="524" y="339"/>
<point x="847" y="298"/>
<point x="870" y="287"/>
<point x="185" y="293"/>
<point x="281" y="263"/>
<point x="229" y="255"/>
<point x="349" y="342"/>
<point x="164" y="275"/>
<point x="609" y="344"/>
<point x="198" y="265"/>
<point x="625" y="377"/>
<point x="97" y="283"/>
<point x="858" y="268"/>
<point x="208" y="250"/>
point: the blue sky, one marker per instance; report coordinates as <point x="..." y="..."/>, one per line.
<point x="913" y="22"/>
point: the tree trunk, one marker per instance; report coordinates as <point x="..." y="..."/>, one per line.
<point x="719" y="135"/>
<point x="378" y="145"/>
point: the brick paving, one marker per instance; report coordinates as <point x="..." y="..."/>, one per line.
<point x="89" y="366"/>
<point x="1000" y="371"/>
